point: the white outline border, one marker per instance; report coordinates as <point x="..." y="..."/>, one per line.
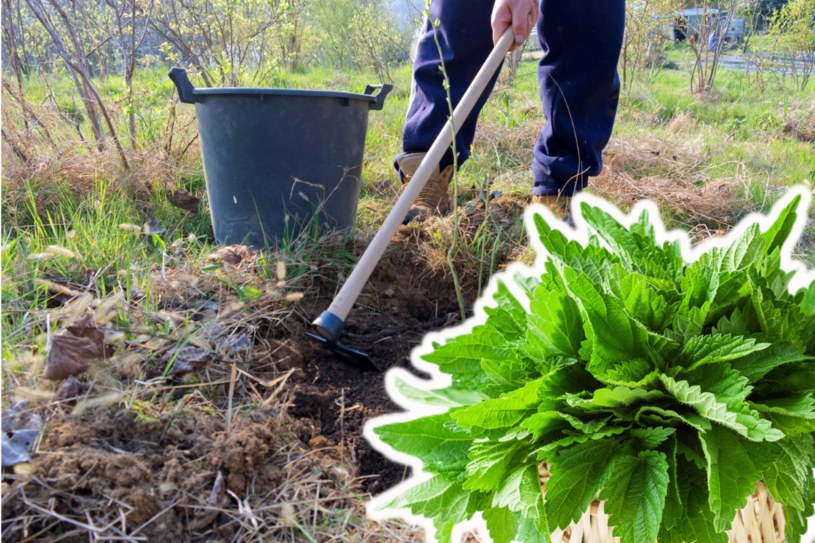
<point x="375" y="508"/>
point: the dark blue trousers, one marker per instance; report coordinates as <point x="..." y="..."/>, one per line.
<point x="579" y="86"/>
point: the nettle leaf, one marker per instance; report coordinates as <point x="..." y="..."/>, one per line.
<point x="508" y="318"/>
<point x="590" y="260"/>
<point x="756" y="365"/>
<point x="636" y="246"/>
<point x="503" y="412"/>
<point x="653" y="415"/>
<point x="622" y="401"/>
<point x="436" y="440"/>
<point x="713" y="348"/>
<point x="720" y="379"/>
<point x="439" y="498"/>
<point x="788" y="472"/>
<point x="615" y="337"/>
<point x="440" y="397"/>
<point x="640" y="298"/>
<point x="651" y="438"/>
<point x="776" y="235"/>
<point x="520" y="491"/>
<point x="634" y="492"/>
<point x="461" y="356"/>
<point x="636" y="373"/>
<point x="555" y="323"/>
<point x="501" y="524"/>
<point x="797" y="521"/>
<point x="490" y="461"/>
<point x="737" y="417"/>
<point x="793" y="415"/>
<point x="778" y="319"/>
<point x="731" y="471"/>
<point x="578" y="473"/>
<point x="696" y="522"/>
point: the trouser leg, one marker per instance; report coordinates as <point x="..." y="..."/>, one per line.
<point x="465" y="36"/>
<point x="579" y="89"/>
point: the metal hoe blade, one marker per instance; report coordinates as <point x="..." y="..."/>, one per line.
<point x="346" y="354"/>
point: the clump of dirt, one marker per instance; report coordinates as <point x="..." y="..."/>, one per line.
<point x="243" y="455"/>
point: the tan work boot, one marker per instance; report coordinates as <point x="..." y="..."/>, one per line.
<point x="560" y="206"/>
<point x="434" y="199"/>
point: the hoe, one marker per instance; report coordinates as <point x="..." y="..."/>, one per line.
<point x="328" y="327"/>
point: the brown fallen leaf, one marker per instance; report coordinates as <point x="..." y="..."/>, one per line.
<point x="232" y="254"/>
<point x="71" y="351"/>
<point x="69" y="390"/>
<point x="190" y="359"/>
<point x="185" y="200"/>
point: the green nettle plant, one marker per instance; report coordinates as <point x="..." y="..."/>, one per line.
<point x="665" y="381"/>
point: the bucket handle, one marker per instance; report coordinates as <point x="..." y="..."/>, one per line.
<point x="186" y="91"/>
<point x="379" y="98"/>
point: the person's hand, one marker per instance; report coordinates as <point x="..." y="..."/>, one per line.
<point x="521" y="15"/>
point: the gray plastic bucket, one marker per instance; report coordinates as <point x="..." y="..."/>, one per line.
<point x="276" y="160"/>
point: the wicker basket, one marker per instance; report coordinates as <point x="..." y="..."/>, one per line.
<point x="761" y="521"/>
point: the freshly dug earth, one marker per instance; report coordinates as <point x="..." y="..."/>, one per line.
<point x="269" y="450"/>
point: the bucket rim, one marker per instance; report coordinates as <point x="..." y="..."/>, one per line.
<point x="215" y="91"/>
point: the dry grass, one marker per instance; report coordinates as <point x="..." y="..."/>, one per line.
<point x="685" y="195"/>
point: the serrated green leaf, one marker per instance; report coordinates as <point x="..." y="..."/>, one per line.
<point x="786" y="473"/>
<point x="435" y="440"/>
<point x="438" y="497"/>
<point x="501" y="524"/>
<point x="443" y="397"/>
<point x="520" y="491"/>
<point x="673" y="510"/>
<point x="640" y="298"/>
<point x="709" y="349"/>
<point x="619" y="400"/>
<point x="490" y="462"/>
<point x="615" y="337"/>
<point x="652" y="415"/>
<point x="720" y="379"/>
<point x="739" y="418"/>
<point x="651" y="438"/>
<point x="634" y="492"/>
<point x="797" y="521"/>
<point x="635" y="246"/>
<point x="778" y="232"/>
<point x="793" y="415"/>
<point x="731" y="471"/>
<point x="757" y="365"/>
<point x="503" y="412"/>
<point x="577" y="475"/>
<point x="555" y="323"/>
<point x="697" y="523"/>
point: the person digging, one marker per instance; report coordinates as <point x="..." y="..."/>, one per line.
<point x="579" y="90"/>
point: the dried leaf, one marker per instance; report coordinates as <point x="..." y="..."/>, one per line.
<point x="185" y="200"/>
<point x="190" y="359"/>
<point x="232" y="255"/>
<point x="71" y="351"/>
<point x="70" y="389"/>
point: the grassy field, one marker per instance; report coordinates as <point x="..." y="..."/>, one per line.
<point x="81" y="237"/>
